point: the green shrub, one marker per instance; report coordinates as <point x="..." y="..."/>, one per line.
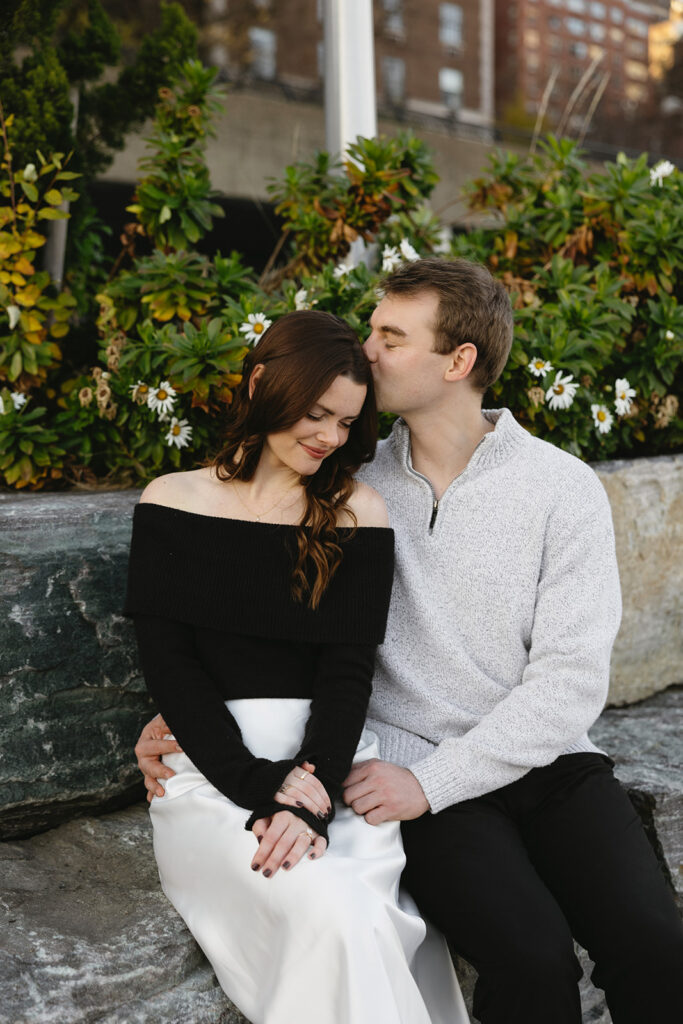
<point x="593" y="261"/>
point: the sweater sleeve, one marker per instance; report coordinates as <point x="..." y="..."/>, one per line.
<point x="564" y="686"/>
<point x="194" y="709"/>
<point x="338" y="709"/>
<point x="340" y="699"/>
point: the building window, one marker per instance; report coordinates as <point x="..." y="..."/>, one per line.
<point x="616" y="35"/>
<point x="617" y="15"/>
<point x="598" y="10"/>
<point x="555" y="44"/>
<point x="577" y="6"/>
<point x="597" y="31"/>
<point x="393" y="17"/>
<point x="636" y="92"/>
<point x="576" y="26"/>
<point x="578" y="50"/>
<point x="451" y="87"/>
<point x="394" y="79"/>
<point x="532" y="38"/>
<point x="634" y="69"/>
<point x="636" y="47"/>
<point x="639" y="28"/>
<point x="555" y="23"/>
<point x="262" y="52"/>
<point x="450" y="25"/>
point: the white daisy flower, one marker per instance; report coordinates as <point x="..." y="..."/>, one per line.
<point x="443" y="246"/>
<point x="2" y="407"/>
<point x="254" y="326"/>
<point x="407" y="251"/>
<point x="300" y="299"/>
<point x="661" y="171"/>
<point x="30" y="172"/>
<point x="179" y="434"/>
<point x="18" y="399"/>
<point x="341" y="270"/>
<point x="669" y="335"/>
<point x="539" y="367"/>
<point x="390" y="258"/>
<point x="560" y="394"/>
<point x="602" y="418"/>
<point x="625" y="393"/>
<point x="13" y="312"/>
<point x="161" y="399"/>
<point x="139" y="392"/>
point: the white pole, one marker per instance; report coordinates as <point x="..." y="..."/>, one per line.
<point x="350" y="105"/>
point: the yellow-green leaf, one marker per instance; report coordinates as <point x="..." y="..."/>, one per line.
<point x="33" y="240"/>
<point x="28" y="296"/>
<point x="29" y="190"/>
<point x="9" y="246"/>
<point x="53" y="196"/>
<point x="59" y="329"/>
<point x="50" y="213"/>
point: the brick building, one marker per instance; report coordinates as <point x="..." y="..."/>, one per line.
<point x="604" y="44"/>
<point x="431" y="58"/>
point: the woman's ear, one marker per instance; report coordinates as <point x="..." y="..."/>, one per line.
<point x="255" y="374"/>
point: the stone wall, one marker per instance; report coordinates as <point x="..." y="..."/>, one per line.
<point x="72" y="699"/>
<point x="646" y="496"/>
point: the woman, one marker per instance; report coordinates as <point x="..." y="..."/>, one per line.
<point x="260" y="587"/>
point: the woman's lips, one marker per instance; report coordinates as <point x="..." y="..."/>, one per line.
<point x="315" y="453"/>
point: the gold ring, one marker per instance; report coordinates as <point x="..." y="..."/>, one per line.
<point x="284" y="787"/>
<point x="302" y="776"/>
<point x="308" y="832"/>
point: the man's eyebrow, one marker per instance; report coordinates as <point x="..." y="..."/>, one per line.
<point x="392" y="329"/>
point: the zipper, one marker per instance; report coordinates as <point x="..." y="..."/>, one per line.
<point x="435" y="510"/>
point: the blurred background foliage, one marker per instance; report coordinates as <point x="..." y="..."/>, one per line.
<point x="127" y="369"/>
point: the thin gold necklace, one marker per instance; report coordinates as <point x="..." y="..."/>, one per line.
<point x="260" y="515"/>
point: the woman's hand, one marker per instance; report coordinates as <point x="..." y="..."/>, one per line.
<point x="301" y="789"/>
<point x="284" y="843"/>
<point x="149" y="749"/>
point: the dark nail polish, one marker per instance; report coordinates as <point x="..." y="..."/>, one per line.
<point x="267" y="873"/>
<point x="286" y="864"/>
<point x="255" y="867"/>
<point x="299" y="804"/>
<point x="329" y="810"/>
<point x="321" y="815"/>
<point x="259" y="838"/>
<point x="312" y="856"/>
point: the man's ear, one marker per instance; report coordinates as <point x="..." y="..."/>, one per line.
<point x="255" y="374"/>
<point x="461" y="362"/>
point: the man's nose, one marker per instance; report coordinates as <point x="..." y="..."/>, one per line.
<point x="370" y="349"/>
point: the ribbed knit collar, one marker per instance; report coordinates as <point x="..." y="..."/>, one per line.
<point x="496" y="447"/>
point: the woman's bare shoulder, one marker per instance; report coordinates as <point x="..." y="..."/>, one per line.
<point x="176" y="490"/>
<point x="368" y="506"/>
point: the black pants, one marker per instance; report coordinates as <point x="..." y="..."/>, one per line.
<point x="511" y="876"/>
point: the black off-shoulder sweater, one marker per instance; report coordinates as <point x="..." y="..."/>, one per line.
<point x="215" y="621"/>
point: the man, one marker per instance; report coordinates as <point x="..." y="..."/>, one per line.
<point x="496" y="662"/>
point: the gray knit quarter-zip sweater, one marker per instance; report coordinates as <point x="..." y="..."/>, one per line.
<point x="503" y="613"/>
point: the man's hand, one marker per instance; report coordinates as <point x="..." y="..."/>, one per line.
<point x="148" y="750"/>
<point x="381" y="791"/>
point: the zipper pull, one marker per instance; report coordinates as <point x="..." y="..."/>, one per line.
<point x="435" y="509"/>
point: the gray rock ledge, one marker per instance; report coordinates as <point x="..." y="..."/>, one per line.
<point x="86" y="934"/>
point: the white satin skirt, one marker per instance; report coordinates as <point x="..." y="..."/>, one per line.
<point x="332" y="940"/>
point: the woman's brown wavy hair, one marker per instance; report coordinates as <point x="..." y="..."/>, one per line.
<point x="302" y="354"/>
